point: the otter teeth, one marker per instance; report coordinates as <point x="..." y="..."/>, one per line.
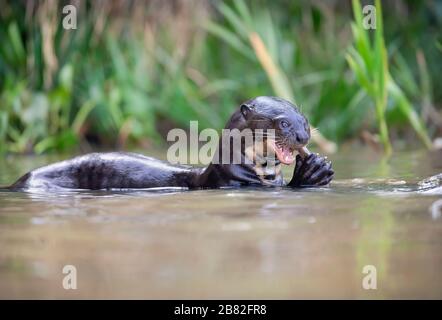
<point x="285" y="155"/>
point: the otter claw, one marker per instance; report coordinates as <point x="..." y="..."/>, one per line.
<point x="313" y="170"/>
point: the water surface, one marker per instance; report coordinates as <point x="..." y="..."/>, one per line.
<point x="244" y="243"/>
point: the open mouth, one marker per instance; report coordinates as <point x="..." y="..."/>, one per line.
<point x="284" y="153"/>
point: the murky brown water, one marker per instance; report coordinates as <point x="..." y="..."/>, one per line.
<point x="245" y="243"/>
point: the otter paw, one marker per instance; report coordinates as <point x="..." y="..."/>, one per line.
<point x="312" y="171"/>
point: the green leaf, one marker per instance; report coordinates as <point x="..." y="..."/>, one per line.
<point x="233" y="40"/>
<point x="236" y="21"/>
<point x="16" y="42"/>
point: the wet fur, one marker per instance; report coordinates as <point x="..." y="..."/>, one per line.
<point x="118" y="170"/>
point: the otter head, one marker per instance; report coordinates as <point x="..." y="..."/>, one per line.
<point x="291" y="128"/>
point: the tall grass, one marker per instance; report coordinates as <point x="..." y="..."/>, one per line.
<point x="246" y="38"/>
<point x="134" y="69"/>
<point x="369" y="61"/>
<point x="111" y="80"/>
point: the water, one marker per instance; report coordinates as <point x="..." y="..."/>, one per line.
<point x="244" y="243"/>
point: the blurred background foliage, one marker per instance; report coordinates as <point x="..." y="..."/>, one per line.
<point x="134" y="69"/>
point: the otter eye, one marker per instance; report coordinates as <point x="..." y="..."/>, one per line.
<point x="284" y="124"/>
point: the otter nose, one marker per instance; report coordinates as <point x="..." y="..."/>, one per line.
<point x="301" y="137"/>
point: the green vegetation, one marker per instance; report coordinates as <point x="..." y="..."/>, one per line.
<point x="132" y="70"/>
<point x="370" y="65"/>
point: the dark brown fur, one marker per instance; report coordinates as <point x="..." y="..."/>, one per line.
<point x="128" y="170"/>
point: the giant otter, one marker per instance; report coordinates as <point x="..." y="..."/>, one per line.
<point x="117" y="170"/>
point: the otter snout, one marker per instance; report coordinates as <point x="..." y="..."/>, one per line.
<point x="301" y="137"/>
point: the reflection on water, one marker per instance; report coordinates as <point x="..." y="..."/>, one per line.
<point x="244" y="243"/>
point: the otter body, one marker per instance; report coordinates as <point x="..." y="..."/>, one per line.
<point x="124" y="170"/>
<point x="113" y="170"/>
<point x="118" y="170"/>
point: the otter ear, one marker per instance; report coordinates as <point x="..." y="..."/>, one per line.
<point x="245" y="110"/>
